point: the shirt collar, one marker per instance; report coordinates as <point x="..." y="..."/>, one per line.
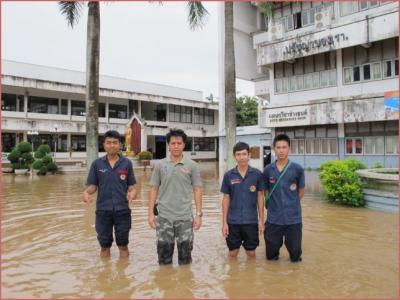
<point x="249" y="170"/>
<point x="183" y="161"/>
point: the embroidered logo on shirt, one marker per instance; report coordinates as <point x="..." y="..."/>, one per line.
<point x="102" y="170"/>
<point x="185" y="170"/>
<point x="252" y="188"/>
<point x="272" y="180"/>
<point x="122" y="172"/>
<point x="122" y="176"/>
<point x="236" y="181"/>
<point x="293" y="187"/>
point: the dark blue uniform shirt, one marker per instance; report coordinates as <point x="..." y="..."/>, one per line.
<point x="112" y="183"/>
<point x="284" y="205"/>
<point x="243" y="195"/>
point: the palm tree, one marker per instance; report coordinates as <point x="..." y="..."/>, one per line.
<point x="230" y="77"/>
<point x="72" y="10"/>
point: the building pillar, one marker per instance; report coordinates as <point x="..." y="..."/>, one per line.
<point x="107" y="111"/>
<point x="139" y="108"/>
<point x="69" y="144"/>
<point x="339" y="70"/>
<point x="25" y="136"/>
<point x="341" y="141"/>
<point x="69" y="109"/>
<point x="26" y="105"/>
<point x="143" y="138"/>
<point x="59" y="106"/>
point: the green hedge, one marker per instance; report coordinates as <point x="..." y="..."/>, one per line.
<point x="340" y="182"/>
<point x="145" y="155"/>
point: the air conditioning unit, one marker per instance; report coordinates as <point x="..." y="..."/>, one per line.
<point x="323" y="18"/>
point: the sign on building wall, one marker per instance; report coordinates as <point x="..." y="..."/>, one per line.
<point x="391" y="103"/>
<point x="288" y="116"/>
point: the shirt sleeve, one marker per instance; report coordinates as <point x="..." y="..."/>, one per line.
<point x="156" y="176"/>
<point x="195" y="176"/>
<point x="225" y="187"/>
<point x="265" y="177"/>
<point x="131" y="176"/>
<point x="260" y="183"/>
<point x="302" y="180"/>
<point x="92" y="178"/>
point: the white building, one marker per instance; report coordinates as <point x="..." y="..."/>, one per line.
<point x="328" y="74"/>
<point x="51" y="102"/>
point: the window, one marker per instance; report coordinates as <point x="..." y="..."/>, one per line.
<point x="209" y="117"/>
<point x="288" y="22"/>
<point x="78" y="108"/>
<point x="189" y="144"/>
<point x="8" y="102"/>
<point x="308" y="82"/>
<point x="332" y="78"/>
<point x="308" y="17"/>
<point x="391" y="145"/>
<point x="78" y="143"/>
<point x="117" y="111"/>
<point x="64" y="107"/>
<point x="376" y="71"/>
<point x="366" y="72"/>
<point x="300" y="147"/>
<point x="347" y="75"/>
<point x="354" y="146"/>
<point x="102" y="110"/>
<point x="396" y="67"/>
<point x="299" y="82"/>
<point x="204" y="144"/>
<point x="358" y="146"/>
<point x="324" y="78"/>
<point x="43" y="105"/>
<point x="368" y="4"/>
<point x="333" y="146"/>
<point x="198" y="115"/>
<point x="174" y="113"/>
<point x="373" y="145"/>
<point x="356" y="73"/>
<point x="348" y="7"/>
<point x="7" y="141"/>
<point x="186" y="114"/>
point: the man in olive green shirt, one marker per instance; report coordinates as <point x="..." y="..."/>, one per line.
<point x="175" y="180"/>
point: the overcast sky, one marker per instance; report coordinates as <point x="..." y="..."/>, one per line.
<point x="143" y="41"/>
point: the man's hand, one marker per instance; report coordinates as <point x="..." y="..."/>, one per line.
<point x="197" y="222"/>
<point x="87" y="197"/>
<point x="261" y="228"/>
<point x="131" y="195"/>
<point x="225" y="230"/>
<point x="152" y="220"/>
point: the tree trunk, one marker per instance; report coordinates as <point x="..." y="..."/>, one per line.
<point x="92" y="82"/>
<point x="230" y="86"/>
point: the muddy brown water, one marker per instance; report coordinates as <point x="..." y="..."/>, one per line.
<point x="49" y="249"/>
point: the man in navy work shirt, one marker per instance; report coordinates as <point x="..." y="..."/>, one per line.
<point x="242" y="204"/>
<point x="112" y="175"/>
<point x="283" y="205"/>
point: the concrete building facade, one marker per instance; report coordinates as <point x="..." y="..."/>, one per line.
<point x="327" y="75"/>
<point x="46" y="105"/>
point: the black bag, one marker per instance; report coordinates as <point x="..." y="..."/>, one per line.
<point x="155" y="210"/>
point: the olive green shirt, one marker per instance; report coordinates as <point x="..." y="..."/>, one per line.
<point x="175" y="182"/>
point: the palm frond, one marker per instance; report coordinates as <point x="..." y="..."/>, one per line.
<point x="71" y="10"/>
<point x="266" y="7"/>
<point x="197" y="14"/>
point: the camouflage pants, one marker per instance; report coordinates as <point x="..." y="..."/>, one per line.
<point x="167" y="232"/>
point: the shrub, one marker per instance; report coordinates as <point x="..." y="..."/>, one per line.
<point x="42" y="170"/>
<point x="24" y="147"/>
<point x="378" y="165"/>
<point x="14" y="156"/>
<point x="47" y="159"/>
<point x="27" y="156"/>
<point x="355" y="164"/>
<point x="145" y="155"/>
<point x="44" y="148"/>
<point x="37" y="164"/>
<point x="19" y="166"/>
<point x="340" y="182"/>
<point x="52" y="167"/>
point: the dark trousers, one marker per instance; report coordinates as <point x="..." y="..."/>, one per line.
<point x="107" y="220"/>
<point x="273" y="236"/>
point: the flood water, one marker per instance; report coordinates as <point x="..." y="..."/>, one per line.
<point x="49" y="249"/>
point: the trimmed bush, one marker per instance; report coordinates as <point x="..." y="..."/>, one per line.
<point x="47" y="159"/>
<point x="52" y="167"/>
<point x="145" y="155"/>
<point x="27" y="156"/>
<point x="37" y="164"/>
<point x="42" y="170"/>
<point x="24" y="147"/>
<point x="378" y="165"/>
<point x="44" y="148"/>
<point x="355" y="164"/>
<point x="19" y="166"/>
<point x="14" y="156"/>
<point x="340" y="182"/>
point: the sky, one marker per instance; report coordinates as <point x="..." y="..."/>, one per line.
<point x="139" y="40"/>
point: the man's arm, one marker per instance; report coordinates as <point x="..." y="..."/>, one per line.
<point x="152" y="201"/>
<point x="90" y="190"/>
<point x="260" y="204"/>
<point x="225" y="208"/>
<point x="301" y="193"/>
<point x="131" y="193"/>
<point x="198" y="195"/>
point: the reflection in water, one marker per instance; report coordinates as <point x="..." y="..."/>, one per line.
<point x="49" y="249"/>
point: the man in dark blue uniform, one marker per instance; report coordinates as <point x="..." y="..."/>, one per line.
<point x="112" y="175"/>
<point x="242" y="204"/>
<point x="284" y="183"/>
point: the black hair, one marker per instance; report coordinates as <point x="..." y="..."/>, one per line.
<point x="177" y="133"/>
<point x="281" y="137"/>
<point x="112" y="134"/>
<point x="239" y="146"/>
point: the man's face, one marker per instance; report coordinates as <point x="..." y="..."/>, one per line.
<point x="112" y="145"/>
<point x="242" y="157"/>
<point x="176" y="145"/>
<point x="281" y="149"/>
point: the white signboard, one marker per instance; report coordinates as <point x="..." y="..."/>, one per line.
<point x="287" y="116"/>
